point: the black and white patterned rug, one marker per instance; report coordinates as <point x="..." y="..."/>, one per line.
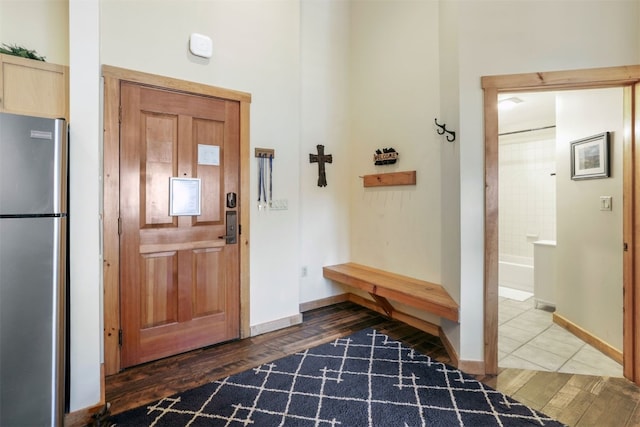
<point x="365" y="379"/>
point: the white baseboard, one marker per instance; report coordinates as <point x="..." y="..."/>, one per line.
<point x="274" y="325"/>
<point x="324" y="302"/>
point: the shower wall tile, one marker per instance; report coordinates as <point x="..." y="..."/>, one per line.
<point x="527" y="210"/>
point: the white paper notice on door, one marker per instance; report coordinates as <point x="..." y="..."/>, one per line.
<point x="208" y="154"/>
<point x="184" y="196"/>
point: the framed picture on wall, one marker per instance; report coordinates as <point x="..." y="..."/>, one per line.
<point x="590" y="157"/>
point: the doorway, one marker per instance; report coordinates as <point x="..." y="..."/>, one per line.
<point x="114" y="219"/>
<point x="626" y="77"/>
<point x="532" y="135"/>
<point x="179" y="277"/>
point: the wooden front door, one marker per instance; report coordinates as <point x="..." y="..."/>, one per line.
<point x="179" y="280"/>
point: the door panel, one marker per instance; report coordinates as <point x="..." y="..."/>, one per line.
<point x="158" y="287"/>
<point x="208" y="272"/>
<point x="160" y="141"/>
<point x="204" y="131"/>
<point x="179" y="279"/>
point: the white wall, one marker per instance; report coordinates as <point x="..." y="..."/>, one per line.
<point x="505" y="37"/>
<point x="394" y="97"/>
<point x="589" y="245"/>
<point x="40" y="25"/>
<point x="324" y="211"/>
<point x="85" y="198"/>
<point x="449" y="97"/>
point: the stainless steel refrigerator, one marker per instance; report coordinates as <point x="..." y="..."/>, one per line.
<point x="33" y="224"/>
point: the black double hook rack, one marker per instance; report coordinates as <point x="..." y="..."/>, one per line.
<point x="451" y="135"/>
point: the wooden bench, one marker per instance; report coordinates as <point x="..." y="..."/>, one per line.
<point x="384" y="286"/>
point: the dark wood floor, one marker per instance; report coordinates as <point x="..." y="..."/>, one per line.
<point x="576" y="400"/>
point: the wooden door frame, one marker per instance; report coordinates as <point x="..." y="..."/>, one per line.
<point x="627" y="77"/>
<point x="113" y="76"/>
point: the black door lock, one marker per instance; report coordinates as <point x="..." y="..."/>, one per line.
<point x="231" y="200"/>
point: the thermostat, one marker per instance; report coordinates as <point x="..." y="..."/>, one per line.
<point x="200" y="45"/>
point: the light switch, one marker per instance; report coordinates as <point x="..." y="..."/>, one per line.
<point x="605" y="203"/>
<point x="279" y="205"/>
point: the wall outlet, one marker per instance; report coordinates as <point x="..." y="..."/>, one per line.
<point x="303" y="271"/>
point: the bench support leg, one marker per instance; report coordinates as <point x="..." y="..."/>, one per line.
<point x="383" y="303"/>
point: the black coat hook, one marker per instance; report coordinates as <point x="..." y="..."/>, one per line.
<point x="443" y="129"/>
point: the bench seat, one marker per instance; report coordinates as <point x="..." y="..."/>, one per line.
<point x="384" y="286"/>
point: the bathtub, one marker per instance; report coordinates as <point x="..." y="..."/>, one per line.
<point x="515" y="272"/>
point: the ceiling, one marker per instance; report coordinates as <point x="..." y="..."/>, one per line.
<point x="537" y="109"/>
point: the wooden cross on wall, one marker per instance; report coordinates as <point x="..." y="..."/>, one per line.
<point x="321" y="159"/>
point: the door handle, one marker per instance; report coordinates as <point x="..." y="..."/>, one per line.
<point x="232" y="226"/>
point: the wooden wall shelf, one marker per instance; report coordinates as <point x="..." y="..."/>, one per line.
<point x="265" y="152"/>
<point x="387" y="179"/>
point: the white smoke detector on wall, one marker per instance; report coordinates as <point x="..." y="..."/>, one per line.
<point x="200" y="45"/>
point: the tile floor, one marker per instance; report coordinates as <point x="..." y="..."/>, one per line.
<point x="528" y="339"/>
